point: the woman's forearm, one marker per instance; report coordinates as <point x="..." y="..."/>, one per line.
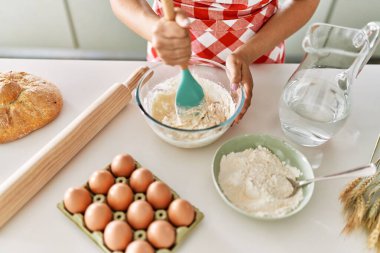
<point x="288" y="19"/>
<point x="137" y="15"/>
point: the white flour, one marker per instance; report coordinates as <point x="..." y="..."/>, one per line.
<point x="218" y="107"/>
<point x="255" y="181"/>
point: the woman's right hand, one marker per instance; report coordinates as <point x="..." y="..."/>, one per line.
<point x="171" y="39"/>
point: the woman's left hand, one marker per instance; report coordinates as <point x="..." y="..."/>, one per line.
<point x="240" y="74"/>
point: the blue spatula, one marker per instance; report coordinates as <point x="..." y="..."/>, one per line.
<point x="189" y="93"/>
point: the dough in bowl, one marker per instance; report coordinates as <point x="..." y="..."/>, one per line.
<point x="27" y="103"/>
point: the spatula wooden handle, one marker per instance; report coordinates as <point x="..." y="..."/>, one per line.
<point x="20" y="187"/>
<point x="168" y="9"/>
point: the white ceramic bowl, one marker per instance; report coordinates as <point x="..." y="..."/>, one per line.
<point x="187" y="138"/>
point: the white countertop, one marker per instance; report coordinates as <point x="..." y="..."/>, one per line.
<point x="41" y="227"/>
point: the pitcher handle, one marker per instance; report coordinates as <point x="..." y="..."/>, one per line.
<point x="371" y="31"/>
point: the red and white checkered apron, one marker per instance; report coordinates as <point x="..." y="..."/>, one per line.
<point x="218" y="27"/>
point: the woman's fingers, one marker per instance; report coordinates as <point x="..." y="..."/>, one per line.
<point x="181" y="18"/>
<point x="235" y="69"/>
<point x="175" y="57"/>
<point x="247" y="83"/>
<point x="171" y="39"/>
<point x="176" y="62"/>
<point x="169" y="29"/>
<point x="240" y="75"/>
<point x="162" y="43"/>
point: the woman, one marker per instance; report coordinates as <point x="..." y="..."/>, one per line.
<point x="233" y="32"/>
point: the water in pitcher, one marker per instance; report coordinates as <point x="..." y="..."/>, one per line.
<point x="312" y="110"/>
<point x="315" y="102"/>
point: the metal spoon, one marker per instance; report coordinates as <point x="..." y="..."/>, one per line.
<point x="363" y="171"/>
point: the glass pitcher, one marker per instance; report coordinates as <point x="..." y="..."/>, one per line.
<point x="315" y="101"/>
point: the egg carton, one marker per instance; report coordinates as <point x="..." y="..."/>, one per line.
<point x="159" y="214"/>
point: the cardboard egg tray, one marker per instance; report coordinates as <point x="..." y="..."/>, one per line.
<point x="159" y="214"/>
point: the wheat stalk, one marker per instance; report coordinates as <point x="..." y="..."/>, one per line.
<point x="355" y="217"/>
<point x="361" y="205"/>
<point x="374" y="235"/>
<point x="355" y="190"/>
<point x="373" y="214"/>
<point x="363" y="187"/>
<point x="347" y="191"/>
<point x="372" y="191"/>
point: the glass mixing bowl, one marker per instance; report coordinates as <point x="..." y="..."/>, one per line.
<point x="187" y="138"/>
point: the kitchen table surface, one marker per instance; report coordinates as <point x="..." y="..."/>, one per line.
<point x="41" y="227"/>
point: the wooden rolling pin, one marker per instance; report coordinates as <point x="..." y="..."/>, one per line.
<point x="19" y="188"/>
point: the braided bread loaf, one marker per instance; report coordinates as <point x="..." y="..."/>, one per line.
<point x="27" y="103"/>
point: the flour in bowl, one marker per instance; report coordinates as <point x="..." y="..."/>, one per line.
<point x="218" y="106"/>
<point x="255" y="181"/>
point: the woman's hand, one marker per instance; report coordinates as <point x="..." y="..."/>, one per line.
<point x="238" y="66"/>
<point x="171" y="39"/>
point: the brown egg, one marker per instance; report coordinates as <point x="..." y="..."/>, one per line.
<point x="76" y="200"/>
<point x="97" y="216"/>
<point x="159" y="195"/>
<point x="120" y="196"/>
<point x="139" y="246"/>
<point x="161" y="234"/>
<point x="101" y="181"/>
<point x="141" y="179"/>
<point x="140" y="214"/>
<point x="117" y="235"/>
<point x="181" y="212"/>
<point x="123" y="165"/>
